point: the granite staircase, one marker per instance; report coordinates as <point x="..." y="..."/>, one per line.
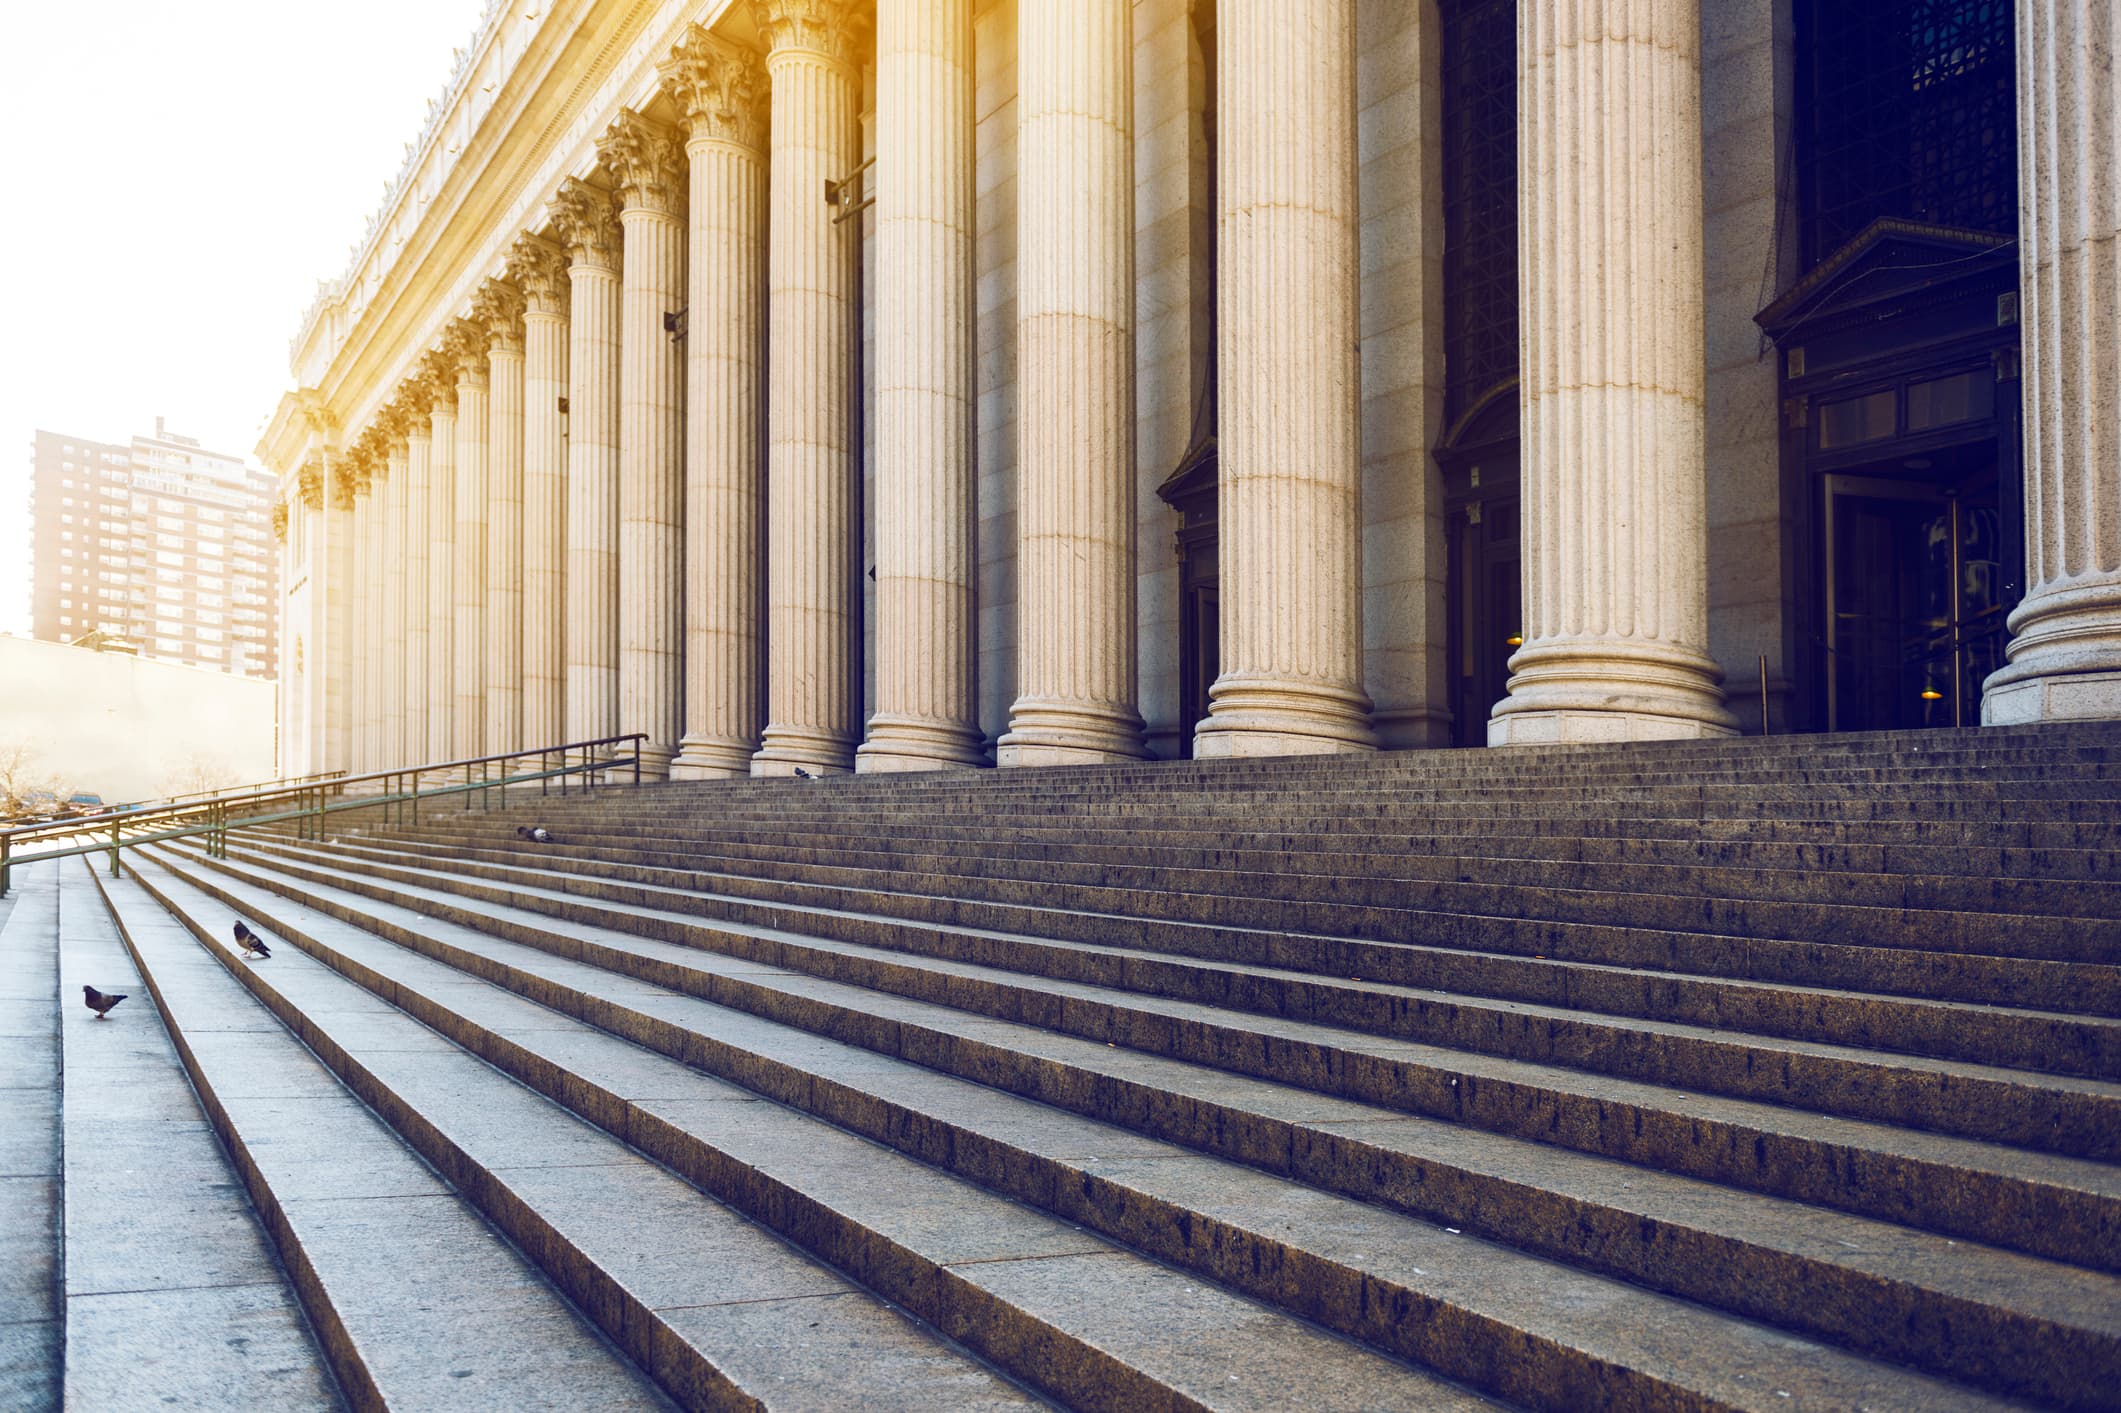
<point x="1762" y="1074"/>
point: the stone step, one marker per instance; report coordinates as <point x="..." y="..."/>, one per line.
<point x="417" y="1302"/>
<point x="1432" y="992"/>
<point x="2058" y="1206"/>
<point x="31" y="1323"/>
<point x="1086" y="1319"/>
<point x="1340" y="903"/>
<point x="173" y="1292"/>
<point x="1523" y="1327"/>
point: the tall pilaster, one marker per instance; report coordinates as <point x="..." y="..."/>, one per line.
<point x="441" y="741"/>
<point x="2065" y="650"/>
<point x="315" y="628"/>
<point x="415" y="399"/>
<point x="926" y="542"/>
<point x="539" y="269"/>
<point x="1610" y="260"/>
<point x="720" y="90"/>
<point x="812" y="535"/>
<point x="648" y="169"/>
<point x="1289" y="434"/>
<point x="375" y="555"/>
<point x="339" y="573"/>
<point x="499" y="308"/>
<point x="390" y="611"/>
<point x="1076" y="670"/>
<point x="466" y="348"/>
<point x="588" y="222"/>
<point x="364" y="734"/>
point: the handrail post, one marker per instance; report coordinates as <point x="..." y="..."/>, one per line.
<point x="639" y="742"/>
<point x="7" y="848"/>
<point x="114" y="873"/>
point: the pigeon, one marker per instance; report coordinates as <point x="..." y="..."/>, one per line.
<point x="98" y="1001"/>
<point x="535" y="833"/>
<point x="802" y="774"/>
<point x="251" y="943"/>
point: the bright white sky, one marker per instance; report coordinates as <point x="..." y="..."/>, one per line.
<point x="181" y="176"/>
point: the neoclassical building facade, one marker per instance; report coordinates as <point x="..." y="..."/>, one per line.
<point x="897" y="384"/>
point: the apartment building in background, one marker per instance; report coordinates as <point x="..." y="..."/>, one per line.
<point x="158" y="543"/>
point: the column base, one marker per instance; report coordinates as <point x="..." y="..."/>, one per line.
<point x="784" y="748"/>
<point x="1261" y="716"/>
<point x="1565" y="691"/>
<point x="655" y="761"/>
<point x="1046" y="731"/>
<point x="902" y="743"/>
<point x="2065" y="659"/>
<point x="711" y="758"/>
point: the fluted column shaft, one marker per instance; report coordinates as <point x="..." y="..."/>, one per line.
<point x="1615" y="521"/>
<point x="504" y="548"/>
<point x="441" y="580"/>
<point x="1289" y="436"/>
<point x="718" y="89"/>
<point x="926" y="540"/>
<point x="544" y="528"/>
<point x="811" y="531"/>
<point x="1076" y="670"/>
<point x="648" y="166"/>
<point x="593" y="498"/>
<point x="468" y="596"/>
<point x="365" y="736"/>
<point x="390" y="610"/>
<point x="417" y="622"/>
<point x="375" y="694"/>
<point x="2065" y="651"/>
<point x="341" y="570"/>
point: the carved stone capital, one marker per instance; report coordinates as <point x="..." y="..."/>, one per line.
<point x="416" y="397"/>
<point x="538" y="268"/>
<point x="832" y="29"/>
<point x="587" y="218"/>
<point x="279" y="521"/>
<point x="647" y="168"/>
<point x="343" y="483"/>
<point x="499" y="306"/>
<point x="438" y="376"/>
<point x="464" y="346"/>
<point x="309" y="482"/>
<point x="719" y="87"/>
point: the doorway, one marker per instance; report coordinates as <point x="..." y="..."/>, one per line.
<point x="1484" y="590"/>
<point x="1916" y="598"/>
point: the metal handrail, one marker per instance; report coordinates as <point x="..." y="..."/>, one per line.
<point x="400" y="800"/>
<point x="96" y="814"/>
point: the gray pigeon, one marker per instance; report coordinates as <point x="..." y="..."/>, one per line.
<point x="99" y="1002"/>
<point x="535" y="833"/>
<point x="802" y="774"/>
<point x="252" y="944"/>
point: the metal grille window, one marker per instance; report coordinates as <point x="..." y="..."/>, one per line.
<point x="1480" y="200"/>
<point x="1907" y="109"/>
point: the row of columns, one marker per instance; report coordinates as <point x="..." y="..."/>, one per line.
<point x="561" y="523"/>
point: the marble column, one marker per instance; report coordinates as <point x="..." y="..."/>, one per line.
<point x="340" y="567"/>
<point x="1614" y="502"/>
<point x="2065" y="650"/>
<point x="1076" y="670"/>
<point x="588" y="222"/>
<point x="926" y="509"/>
<point x="414" y="402"/>
<point x="364" y="668"/>
<point x="499" y="308"/>
<point x="441" y="743"/>
<point x="1289" y="433"/>
<point x="466" y="346"/>
<point x="391" y="610"/>
<point x="375" y="578"/>
<point x="538" y="268"/>
<point x="812" y="532"/>
<point x="648" y="170"/>
<point x="314" y="629"/>
<point x="719" y="88"/>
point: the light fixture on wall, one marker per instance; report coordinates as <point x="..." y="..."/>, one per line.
<point x="1515" y="640"/>
<point x="1930" y="693"/>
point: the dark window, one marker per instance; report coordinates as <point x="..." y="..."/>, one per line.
<point x="1479" y="200"/>
<point x="1906" y="109"/>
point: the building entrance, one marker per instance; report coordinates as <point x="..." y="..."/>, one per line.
<point x="1916" y="597"/>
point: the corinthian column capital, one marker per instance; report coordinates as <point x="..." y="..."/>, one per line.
<point x="829" y="28"/>
<point x="343" y="485"/>
<point x="279" y="521"/>
<point x="436" y="381"/>
<point x="587" y="219"/>
<point x="719" y="87"/>
<point x="309" y="482"/>
<point x="538" y="268"/>
<point x="463" y="351"/>
<point x="498" y="306"/>
<point x="646" y="166"/>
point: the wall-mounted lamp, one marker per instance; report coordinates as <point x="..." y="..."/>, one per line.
<point x="1931" y="694"/>
<point x="1515" y="640"/>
